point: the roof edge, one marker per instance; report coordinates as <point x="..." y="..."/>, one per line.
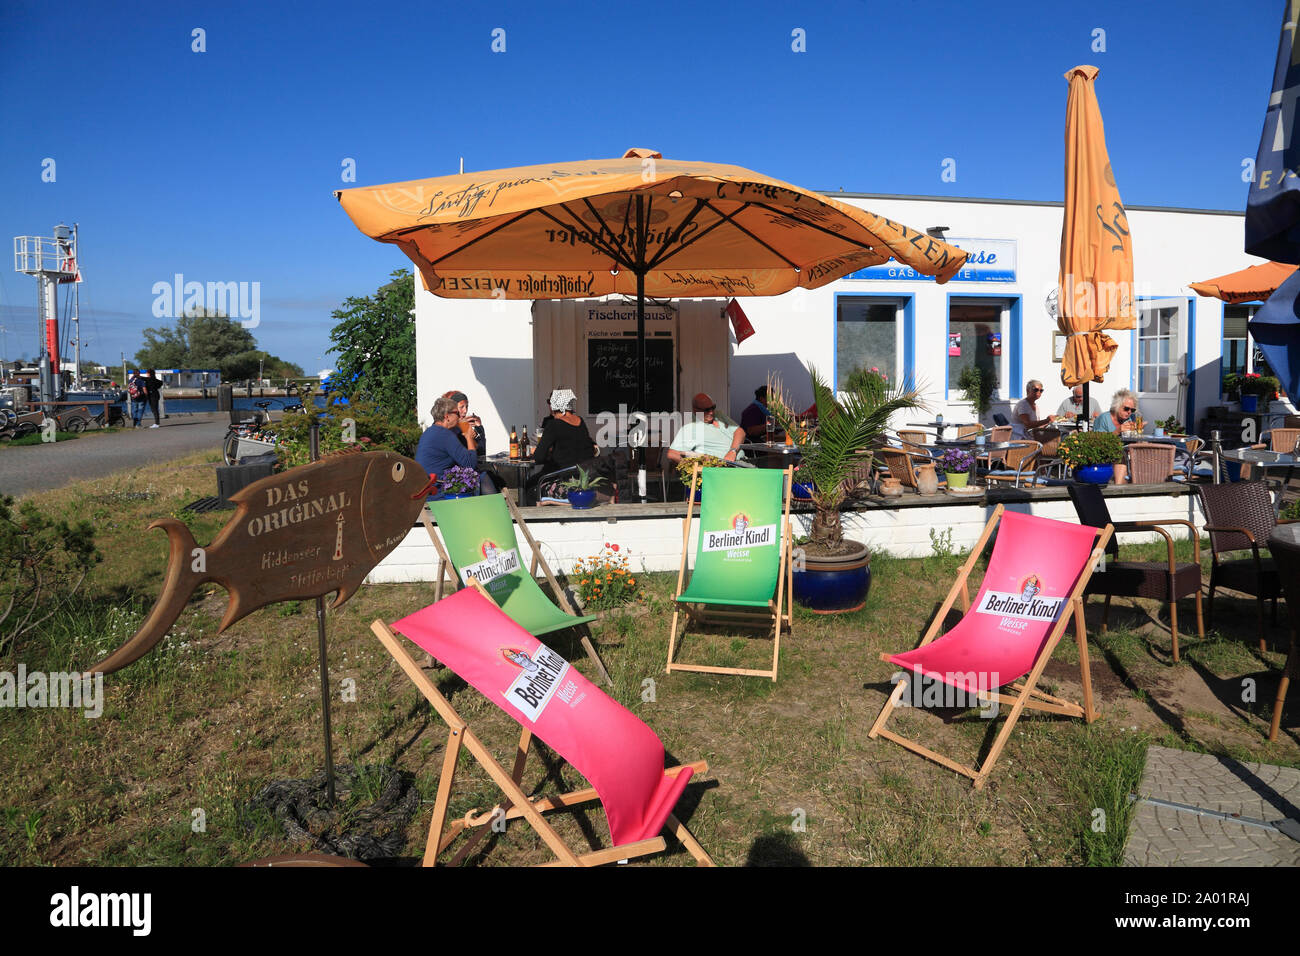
<point x="837" y="194"/>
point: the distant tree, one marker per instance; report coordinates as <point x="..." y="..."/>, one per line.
<point x="374" y="339"/>
<point x="202" y="340"/>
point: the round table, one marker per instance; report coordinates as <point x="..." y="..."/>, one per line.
<point x="772" y="454"/>
<point x="1265" y="459"/>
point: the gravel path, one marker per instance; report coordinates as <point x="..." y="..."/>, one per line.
<point x="35" y="468"/>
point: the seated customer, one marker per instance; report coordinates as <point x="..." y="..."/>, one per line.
<point x="565" y="442"/>
<point x="1072" y="407"/>
<point x="706" y="437"/>
<point x="440" y="447"/>
<point x="1025" y="423"/>
<point x="1120" y="418"/>
<point x="754" y="418"/>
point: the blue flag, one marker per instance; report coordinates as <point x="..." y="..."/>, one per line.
<point x="1273" y="209"/>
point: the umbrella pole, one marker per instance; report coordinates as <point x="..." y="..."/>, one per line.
<point x="1082" y="417"/>
<point x="638" y="454"/>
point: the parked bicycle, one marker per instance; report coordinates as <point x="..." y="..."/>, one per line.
<point x="252" y="434"/>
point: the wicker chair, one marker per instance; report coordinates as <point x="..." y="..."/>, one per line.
<point x="1019" y="464"/>
<point x="969" y="431"/>
<point x="1284" y="439"/>
<point x="902" y="465"/>
<point x="997" y="435"/>
<point x="914" y="437"/>
<point x="1240" y="516"/>
<point x="1159" y="580"/>
<point x="1150" y="463"/>
<point x="1286" y="553"/>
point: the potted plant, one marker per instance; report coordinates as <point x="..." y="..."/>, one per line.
<point x="458" y="482"/>
<point x="978" y="385"/>
<point x="686" y="465"/>
<point x="834" y="572"/>
<point x="1171" y="426"/>
<point x="582" y="489"/>
<point x="1254" y="387"/>
<point x="956" y="464"/>
<point x="1093" y="455"/>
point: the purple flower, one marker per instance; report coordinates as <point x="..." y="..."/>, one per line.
<point x="956" y="461"/>
<point x="457" y="480"/>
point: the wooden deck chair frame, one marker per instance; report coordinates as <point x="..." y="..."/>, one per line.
<point x="1025" y="692"/>
<point x="773" y="617"/>
<point x="516" y="803"/>
<point x="448" y="570"/>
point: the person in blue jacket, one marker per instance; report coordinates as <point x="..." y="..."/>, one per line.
<point x="440" y="446"/>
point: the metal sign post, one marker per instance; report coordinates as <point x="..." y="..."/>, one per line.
<point x="324" y="660"/>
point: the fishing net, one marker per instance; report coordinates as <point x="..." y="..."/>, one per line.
<point x="373" y="807"/>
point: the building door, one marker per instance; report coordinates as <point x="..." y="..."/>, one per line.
<point x="1160" y="372"/>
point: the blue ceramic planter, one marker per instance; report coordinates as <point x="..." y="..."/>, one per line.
<point x="1095" y="474"/>
<point x="1250" y="403"/>
<point x="834" y="585"/>
<point x="450" y="497"/>
<point x="802" y="491"/>
<point x="582" y="500"/>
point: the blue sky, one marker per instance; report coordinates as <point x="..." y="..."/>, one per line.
<point x="220" y="165"/>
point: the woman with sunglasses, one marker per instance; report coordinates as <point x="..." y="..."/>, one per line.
<point x="1024" y="420"/>
<point x="1120" y="418"/>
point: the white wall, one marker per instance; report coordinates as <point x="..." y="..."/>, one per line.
<point x="484" y="348"/>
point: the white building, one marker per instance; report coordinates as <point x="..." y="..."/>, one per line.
<point x="507" y="355"/>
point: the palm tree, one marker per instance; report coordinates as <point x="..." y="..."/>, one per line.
<point x="845" y="424"/>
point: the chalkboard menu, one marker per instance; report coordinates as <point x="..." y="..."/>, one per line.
<point x="611" y="373"/>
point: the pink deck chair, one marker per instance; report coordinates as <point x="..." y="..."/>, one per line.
<point x="618" y="754"/>
<point x="1034" y="582"/>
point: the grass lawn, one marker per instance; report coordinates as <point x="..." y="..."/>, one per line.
<point x="207" y="720"/>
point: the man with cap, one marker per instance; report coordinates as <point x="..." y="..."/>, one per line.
<point x="754" y="418"/>
<point x="706" y="435"/>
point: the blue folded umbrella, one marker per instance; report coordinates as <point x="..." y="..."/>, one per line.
<point x="1276" y="330"/>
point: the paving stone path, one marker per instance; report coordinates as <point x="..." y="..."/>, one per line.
<point x="1163" y="836"/>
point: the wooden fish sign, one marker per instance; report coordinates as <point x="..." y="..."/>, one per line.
<point x="300" y="534"/>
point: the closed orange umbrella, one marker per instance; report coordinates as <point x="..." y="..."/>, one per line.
<point x="1096" y="280"/>
<point x="1245" y="285"/>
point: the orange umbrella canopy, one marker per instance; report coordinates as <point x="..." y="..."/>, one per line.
<point x="1246" y="285"/>
<point x="1096" y="280"/>
<point x="595" y="227"/>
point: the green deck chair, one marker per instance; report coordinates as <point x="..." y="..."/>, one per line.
<point x="742" y="565"/>
<point x="479" y="534"/>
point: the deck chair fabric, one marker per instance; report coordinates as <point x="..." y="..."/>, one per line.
<point x="738" y="552"/>
<point x="742" y="554"/>
<point x="480" y="538"/>
<point x="1034" y="583"/>
<point x="617" y="753"/>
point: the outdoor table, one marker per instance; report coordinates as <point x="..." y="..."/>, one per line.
<point x="771" y="454"/>
<point x="940" y="426"/>
<point x="1264" y="459"/>
<point x="1180" y="441"/>
<point x="515" y="472"/>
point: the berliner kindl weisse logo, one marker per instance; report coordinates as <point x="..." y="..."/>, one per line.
<point x="1025" y="603"/>
<point x="497" y="561"/>
<point x="540" y="676"/>
<point x="742" y="534"/>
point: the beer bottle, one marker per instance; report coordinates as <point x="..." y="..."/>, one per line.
<point x="523" y="442"/>
<point x="514" y="444"/>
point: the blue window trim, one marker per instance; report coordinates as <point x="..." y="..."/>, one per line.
<point x="908" y="301"/>
<point x="1012" y="340"/>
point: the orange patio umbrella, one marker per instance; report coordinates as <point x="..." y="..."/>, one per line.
<point x="1246" y="285"/>
<point x="1096" y="279"/>
<point x="640" y="225"/>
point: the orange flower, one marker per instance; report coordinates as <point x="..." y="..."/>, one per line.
<point x="631" y="580"/>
